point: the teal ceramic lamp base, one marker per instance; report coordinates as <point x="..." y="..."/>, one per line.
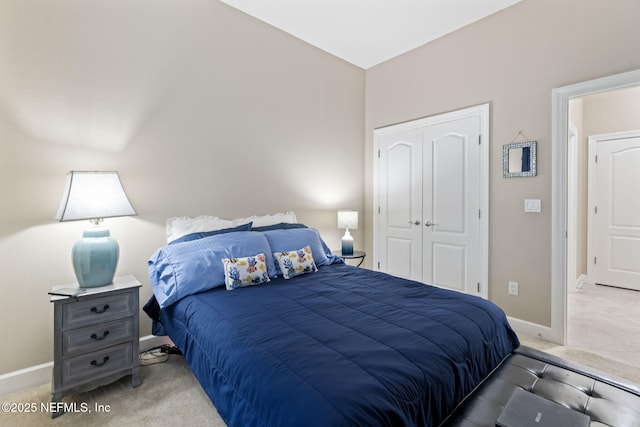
<point x="347" y="243"/>
<point x="95" y="258"/>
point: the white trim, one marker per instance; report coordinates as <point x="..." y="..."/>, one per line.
<point x="484" y="195"/>
<point x="451" y="116"/>
<point x="482" y="111"/>
<point x="38" y="375"/>
<point x="559" y="128"/>
<point x="523" y="327"/>
<point x="580" y="281"/>
<point x="150" y="341"/>
<point x="572" y="208"/>
<point x="33" y="376"/>
<point x="591" y="180"/>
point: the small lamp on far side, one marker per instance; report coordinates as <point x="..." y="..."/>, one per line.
<point x="94" y="196"/>
<point x="347" y="220"/>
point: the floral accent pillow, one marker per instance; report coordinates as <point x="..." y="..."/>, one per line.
<point x="294" y="263"/>
<point x="241" y="272"/>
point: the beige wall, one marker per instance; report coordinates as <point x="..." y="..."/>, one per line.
<point x="202" y="109"/>
<point x="512" y="59"/>
<point x="609" y="112"/>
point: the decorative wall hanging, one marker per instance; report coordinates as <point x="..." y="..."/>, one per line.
<point x="519" y="158"/>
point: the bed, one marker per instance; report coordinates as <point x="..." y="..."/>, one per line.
<point x="321" y="343"/>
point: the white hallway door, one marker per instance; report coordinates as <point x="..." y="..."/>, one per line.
<point x="616" y="210"/>
<point x="429" y="197"/>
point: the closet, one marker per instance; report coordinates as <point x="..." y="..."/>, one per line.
<point x="431" y="200"/>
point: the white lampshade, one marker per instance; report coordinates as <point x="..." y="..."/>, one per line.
<point x="348" y="220"/>
<point x="93" y="195"/>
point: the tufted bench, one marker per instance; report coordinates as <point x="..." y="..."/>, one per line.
<point x="608" y="401"/>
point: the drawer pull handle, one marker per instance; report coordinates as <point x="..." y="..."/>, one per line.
<point x="104" y="360"/>
<point x="99" y="338"/>
<point x="98" y="311"/>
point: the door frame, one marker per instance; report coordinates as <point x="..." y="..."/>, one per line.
<point x="572" y="208"/>
<point x="559" y="139"/>
<point x="482" y="111"/>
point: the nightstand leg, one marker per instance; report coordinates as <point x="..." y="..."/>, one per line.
<point x="135" y="377"/>
<point x="56" y="398"/>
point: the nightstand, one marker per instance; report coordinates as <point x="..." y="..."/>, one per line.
<point x="356" y="255"/>
<point x="96" y="337"/>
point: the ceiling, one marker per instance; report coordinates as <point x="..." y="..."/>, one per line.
<point x="368" y="32"/>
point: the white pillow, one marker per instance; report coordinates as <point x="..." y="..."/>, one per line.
<point x="183" y="225"/>
<point x="264" y="220"/>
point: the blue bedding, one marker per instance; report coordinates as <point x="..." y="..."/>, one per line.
<point x="341" y="346"/>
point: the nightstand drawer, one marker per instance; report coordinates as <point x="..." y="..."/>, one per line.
<point x="97" y="310"/>
<point x="97" y="336"/>
<point x="98" y="363"/>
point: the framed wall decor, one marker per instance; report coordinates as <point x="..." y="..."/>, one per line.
<point x="519" y="159"/>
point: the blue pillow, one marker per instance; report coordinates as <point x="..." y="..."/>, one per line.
<point x="186" y="268"/>
<point x="333" y="259"/>
<point x="296" y="238"/>
<point x="280" y="226"/>
<point x="202" y="234"/>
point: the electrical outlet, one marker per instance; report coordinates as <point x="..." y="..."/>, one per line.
<point x="513" y="288"/>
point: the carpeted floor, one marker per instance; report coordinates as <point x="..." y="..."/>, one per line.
<point x="605" y="320"/>
<point x="171" y="395"/>
<point x="597" y="362"/>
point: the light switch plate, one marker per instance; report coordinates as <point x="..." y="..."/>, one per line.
<point x="532" y="205"/>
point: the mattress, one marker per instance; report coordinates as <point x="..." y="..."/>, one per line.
<point x="341" y="346"/>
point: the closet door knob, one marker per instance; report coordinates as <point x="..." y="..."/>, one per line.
<point x="428" y="224"/>
<point x="414" y="222"/>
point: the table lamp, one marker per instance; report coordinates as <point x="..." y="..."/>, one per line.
<point x="347" y="220"/>
<point x="94" y="196"/>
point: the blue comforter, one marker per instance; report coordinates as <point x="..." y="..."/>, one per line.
<point x="342" y="346"/>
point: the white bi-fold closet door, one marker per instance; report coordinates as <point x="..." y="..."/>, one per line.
<point x="431" y="192"/>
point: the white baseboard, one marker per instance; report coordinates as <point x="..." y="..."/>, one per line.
<point x="151" y="341"/>
<point x="39" y="375"/>
<point x="532" y="329"/>
<point x="581" y="281"/>
<point x="33" y="376"/>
